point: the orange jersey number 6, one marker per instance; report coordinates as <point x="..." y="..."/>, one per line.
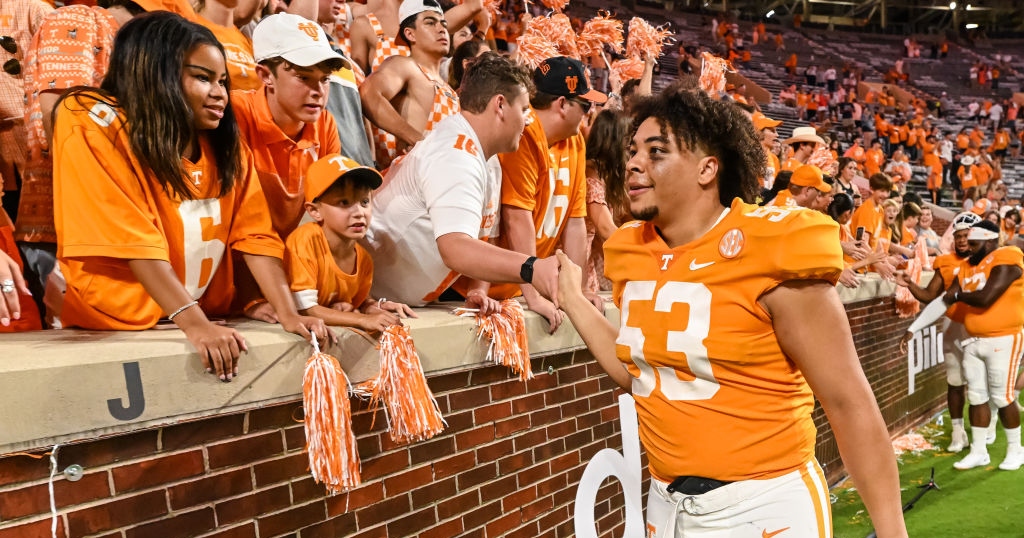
<point x="689" y="342"/>
<point x="202" y="250"/>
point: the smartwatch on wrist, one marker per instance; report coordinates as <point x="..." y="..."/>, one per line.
<point x="526" y="270"/>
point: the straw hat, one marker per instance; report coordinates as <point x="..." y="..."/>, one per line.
<point x="804" y="134"/>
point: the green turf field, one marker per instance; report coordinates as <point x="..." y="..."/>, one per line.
<point x="984" y="502"/>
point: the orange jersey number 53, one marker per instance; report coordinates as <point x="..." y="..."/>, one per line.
<point x="689" y="341"/>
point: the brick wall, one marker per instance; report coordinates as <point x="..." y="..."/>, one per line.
<point x="507" y="465"/>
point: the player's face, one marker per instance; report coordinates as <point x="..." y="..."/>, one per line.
<point x="204" y="79"/>
<point x="960" y="244"/>
<point x="661" y="174"/>
<point x="430" y="33"/>
<point x="344" y="211"/>
<point x="298" y="94"/>
<point x="979" y="249"/>
<point x="513" y="120"/>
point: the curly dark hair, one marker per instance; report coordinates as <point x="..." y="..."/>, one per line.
<point x="717" y="128"/>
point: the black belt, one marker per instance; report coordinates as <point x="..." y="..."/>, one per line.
<point x="694" y="485"/>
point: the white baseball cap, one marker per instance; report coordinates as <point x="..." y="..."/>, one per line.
<point x="298" y="40"/>
<point x="411" y="8"/>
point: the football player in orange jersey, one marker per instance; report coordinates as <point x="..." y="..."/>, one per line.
<point x="946" y="267"/>
<point x="152" y="187"/>
<point x="725" y="308"/>
<point x="992" y="287"/>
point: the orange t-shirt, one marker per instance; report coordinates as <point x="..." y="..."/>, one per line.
<point x="982" y="173"/>
<point x="280" y="161"/>
<point x="948" y="266"/>
<point x="873" y="159"/>
<point x="715" y="394"/>
<point x="772" y="169"/>
<point x="109" y="210"/>
<point x="872" y="218"/>
<point x="783" y="198"/>
<point x="316" y="278"/>
<point x="550" y="182"/>
<point x="238" y="53"/>
<point x="1005" y="316"/>
<point x="963" y="141"/>
<point x="791" y="164"/>
<point x="934" y="164"/>
<point x="71" y="48"/>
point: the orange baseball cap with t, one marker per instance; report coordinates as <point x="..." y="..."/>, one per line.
<point x="330" y="168"/>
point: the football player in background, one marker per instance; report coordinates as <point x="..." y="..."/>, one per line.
<point x="726" y="312"/>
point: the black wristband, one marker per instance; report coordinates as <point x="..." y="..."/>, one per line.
<point x="526" y="270"/>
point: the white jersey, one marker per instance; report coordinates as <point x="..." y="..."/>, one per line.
<point x="444" y="185"/>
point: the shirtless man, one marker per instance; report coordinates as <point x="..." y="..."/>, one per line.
<point x="373" y="36"/>
<point x="406" y="95"/>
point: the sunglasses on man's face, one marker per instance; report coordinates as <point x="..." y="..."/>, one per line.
<point x="584" y="104"/>
<point x="12" y="66"/>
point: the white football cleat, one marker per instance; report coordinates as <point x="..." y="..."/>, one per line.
<point x="1014" y="459"/>
<point x="973" y="460"/>
<point x="959" y="440"/>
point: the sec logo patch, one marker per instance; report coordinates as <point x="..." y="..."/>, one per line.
<point x="731" y="243"/>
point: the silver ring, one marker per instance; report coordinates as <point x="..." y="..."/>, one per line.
<point x="7" y="286"/>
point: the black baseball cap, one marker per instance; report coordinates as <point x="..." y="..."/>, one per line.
<point x="566" y="77"/>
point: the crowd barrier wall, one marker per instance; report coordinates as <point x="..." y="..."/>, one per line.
<point x="165" y="450"/>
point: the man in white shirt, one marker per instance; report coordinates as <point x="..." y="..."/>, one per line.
<point x="440" y="202"/>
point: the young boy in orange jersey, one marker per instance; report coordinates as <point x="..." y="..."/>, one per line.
<point x="284" y="122"/>
<point x="330" y="272"/>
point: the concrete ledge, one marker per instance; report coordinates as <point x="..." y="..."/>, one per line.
<point x="73" y="385"/>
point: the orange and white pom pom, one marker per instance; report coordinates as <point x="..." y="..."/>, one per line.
<point x="646" y="41"/>
<point x="330" y="442"/>
<point x="507" y="332"/>
<point x="409" y="404"/>
<point x="533" y="46"/>
<point x="627" y="69"/>
<point x="906" y="304"/>
<point x="823" y="159"/>
<point x="493" y="7"/>
<point x="600" y="31"/>
<point x="712" y="74"/>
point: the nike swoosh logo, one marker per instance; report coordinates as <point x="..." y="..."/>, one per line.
<point x="694" y="265"/>
<point x="766" y="534"/>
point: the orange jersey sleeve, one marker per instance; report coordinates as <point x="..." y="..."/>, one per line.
<point x="1005" y="316"/>
<point x="316" y="278"/>
<point x="281" y="162"/>
<point x="716" y="395"/>
<point x="110" y="210"/>
<point x="947" y="267"/>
